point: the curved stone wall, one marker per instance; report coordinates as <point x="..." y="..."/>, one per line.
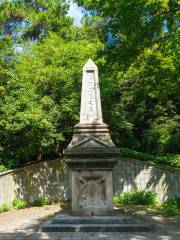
<point x="32" y="182"/>
<point x="132" y="173"/>
<point x="53" y="178"/>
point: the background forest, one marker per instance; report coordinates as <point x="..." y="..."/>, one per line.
<point x="135" y="44"/>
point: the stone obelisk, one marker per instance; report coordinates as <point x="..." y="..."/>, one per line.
<point x="91" y="112"/>
<point x="91" y="155"/>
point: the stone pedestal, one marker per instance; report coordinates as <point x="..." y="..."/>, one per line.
<point x="92" y="192"/>
<point x="91" y="156"/>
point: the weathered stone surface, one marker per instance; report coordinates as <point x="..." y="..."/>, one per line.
<point x="92" y="192"/>
<point x="90" y="98"/>
<point x="68" y="223"/>
<point x="31" y="182"/>
<point x="91" y="155"/>
<point x="55" y="180"/>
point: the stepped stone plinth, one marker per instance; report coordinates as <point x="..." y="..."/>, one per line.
<point x="116" y="223"/>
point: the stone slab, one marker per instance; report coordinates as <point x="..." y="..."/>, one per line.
<point x="92" y="192"/>
<point x="92" y="220"/>
<point x="70" y="223"/>
<point x="49" y="227"/>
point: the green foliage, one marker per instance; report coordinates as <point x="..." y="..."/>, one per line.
<point x="38" y="115"/>
<point x="172" y="160"/>
<point x="163" y="135"/>
<point x="147" y="102"/>
<point x="2" y="168"/>
<point x="24" y="20"/>
<point x="46" y="200"/>
<point x="136" y="47"/>
<point x="141" y="78"/>
<point x="136" y="197"/>
<point x="42" y="201"/>
<point x="4" y="208"/>
<point x="171" y="207"/>
<point x="19" y="203"/>
<point x="128" y="27"/>
<point x="37" y="203"/>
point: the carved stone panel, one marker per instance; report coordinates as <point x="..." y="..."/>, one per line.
<point x="92" y="194"/>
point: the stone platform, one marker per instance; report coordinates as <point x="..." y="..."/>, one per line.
<point x="114" y="223"/>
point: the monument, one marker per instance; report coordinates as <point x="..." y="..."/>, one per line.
<point x="91" y="155"/>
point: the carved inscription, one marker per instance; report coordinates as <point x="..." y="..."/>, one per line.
<point x="91" y="95"/>
<point x="92" y="192"/>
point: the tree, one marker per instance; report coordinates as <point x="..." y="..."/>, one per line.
<point x="149" y="99"/>
<point x="38" y="115"/>
<point x="141" y="78"/>
<point x="127" y="27"/>
<point x="134" y="43"/>
<point x="33" y="20"/>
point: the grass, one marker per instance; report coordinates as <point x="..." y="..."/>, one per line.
<point x="171" y="207"/>
<point x="148" y="202"/>
<point x="22" y="203"/>
<point x="136" y="197"/>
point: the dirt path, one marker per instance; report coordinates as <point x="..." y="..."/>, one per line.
<point x="165" y="227"/>
<point x="22" y="225"/>
<point x="20" y="219"/>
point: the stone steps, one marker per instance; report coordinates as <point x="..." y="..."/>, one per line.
<point x="94" y="224"/>
<point x="91" y="220"/>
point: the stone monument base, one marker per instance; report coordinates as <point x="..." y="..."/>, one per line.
<point x="92" y="194"/>
<point x="116" y="223"/>
<point x="91" y="156"/>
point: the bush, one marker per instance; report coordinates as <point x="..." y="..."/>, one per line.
<point x="4" y="208"/>
<point x="19" y="203"/>
<point x="2" y="168"/>
<point x="37" y="203"/>
<point x="42" y="201"/>
<point x="171" y="206"/>
<point x="46" y="200"/>
<point x="136" y="197"/>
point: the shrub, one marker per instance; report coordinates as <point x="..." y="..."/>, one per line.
<point x="2" y="168"/>
<point x="171" y="206"/>
<point x="136" y="197"/>
<point x="19" y="203"/>
<point x="46" y="200"/>
<point x="4" y="208"/>
<point x="42" y="201"/>
<point x="37" y="203"/>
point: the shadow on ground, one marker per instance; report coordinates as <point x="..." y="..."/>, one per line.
<point x="166" y="229"/>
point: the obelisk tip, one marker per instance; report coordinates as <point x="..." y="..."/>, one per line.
<point x="90" y="65"/>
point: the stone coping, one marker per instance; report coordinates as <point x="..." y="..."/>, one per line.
<point x="161" y="166"/>
<point x="131" y="160"/>
<point x="24" y="168"/>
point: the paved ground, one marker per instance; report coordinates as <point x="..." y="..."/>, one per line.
<point x="23" y="224"/>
